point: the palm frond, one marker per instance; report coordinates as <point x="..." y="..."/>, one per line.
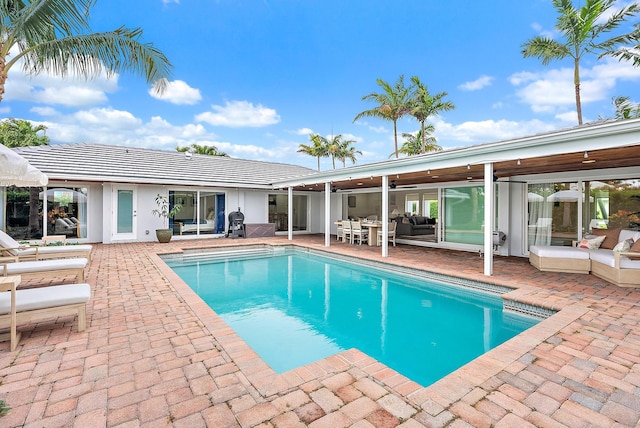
<point x="90" y="54"/>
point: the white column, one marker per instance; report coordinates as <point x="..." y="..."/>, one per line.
<point x="327" y="214"/>
<point x="385" y="215"/>
<point x="290" y="213"/>
<point x="489" y="203"/>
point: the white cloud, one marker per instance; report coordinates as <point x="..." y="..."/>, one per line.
<point x="303" y="131"/>
<point x="55" y="90"/>
<point x="475" y="85"/>
<point x="476" y="132"/>
<point x="178" y="92"/>
<point x="238" y="114"/>
<point x="551" y="34"/>
<point x="552" y="91"/>
<point x="44" y="111"/>
<point x="377" y="129"/>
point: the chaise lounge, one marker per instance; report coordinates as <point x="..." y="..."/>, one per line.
<point x="61" y="267"/>
<point x="10" y="247"/>
<point x="28" y="305"/>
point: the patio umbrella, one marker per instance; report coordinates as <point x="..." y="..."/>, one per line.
<point x="567" y="196"/>
<point x="16" y="171"/>
<point x="534" y="197"/>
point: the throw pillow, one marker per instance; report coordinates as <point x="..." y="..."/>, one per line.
<point x="635" y="248"/>
<point x="611" y="237"/>
<point x="591" y="244"/>
<point x="623" y="246"/>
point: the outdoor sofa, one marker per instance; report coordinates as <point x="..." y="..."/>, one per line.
<point x="608" y="261"/>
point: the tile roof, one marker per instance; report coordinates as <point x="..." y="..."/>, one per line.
<point x="102" y="162"/>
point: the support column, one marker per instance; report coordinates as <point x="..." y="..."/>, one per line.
<point x="327" y="214"/>
<point x="489" y="204"/>
<point x="290" y="213"/>
<point x="385" y="215"/>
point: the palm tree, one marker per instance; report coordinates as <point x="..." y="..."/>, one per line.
<point x="346" y="151"/>
<point x="202" y="150"/>
<point x="583" y="30"/>
<point x="625" y="109"/>
<point x="52" y="36"/>
<point x="421" y="142"/>
<point x="318" y="148"/>
<point x="20" y="133"/>
<point x="394" y="103"/>
<point x="426" y="105"/>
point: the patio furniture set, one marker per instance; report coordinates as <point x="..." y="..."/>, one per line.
<point x="19" y="306"/>
<point x="610" y="254"/>
<point x="370" y="231"/>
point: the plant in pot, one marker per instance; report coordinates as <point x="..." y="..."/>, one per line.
<point x="163" y="211"/>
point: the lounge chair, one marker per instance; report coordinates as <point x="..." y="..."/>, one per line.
<point x="10" y="247"/>
<point x="25" y="306"/>
<point x="62" y="267"/>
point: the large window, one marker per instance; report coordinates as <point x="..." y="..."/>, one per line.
<point x="279" y="212"/>
<point x="611" y="204"/>
<point x="66" y="211"/>
<point x="464" y="215"/>
<point x="553" y="213"/>
<point x="23" y="213"/>
<point x="202" y="212"/>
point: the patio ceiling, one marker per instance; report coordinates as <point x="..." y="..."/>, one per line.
<point x="617" y="157"/>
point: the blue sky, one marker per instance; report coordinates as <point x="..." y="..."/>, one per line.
<point x="254" y="77"/>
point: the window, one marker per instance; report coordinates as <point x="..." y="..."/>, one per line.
<point x="202" y="212"/>
<point x="279" y="212"/>
<point x="464" y="215"/>
<point x="412" y="203"/>
<point x="553" y="213"/>
<point x="66" y="211"/>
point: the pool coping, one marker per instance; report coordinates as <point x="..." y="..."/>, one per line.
<point x="443" y="392"/>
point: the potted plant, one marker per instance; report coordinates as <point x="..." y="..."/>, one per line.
<point x="163" y="211"/>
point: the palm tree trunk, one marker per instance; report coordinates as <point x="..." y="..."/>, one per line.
<point x="395" y="136"/>
<point x="318" y="163"/>
<point x="3" y="75"/>
<point x="576" y="82"/>
<point x="423" y="145"/>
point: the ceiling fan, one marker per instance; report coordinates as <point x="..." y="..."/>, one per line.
<point x="393" y="185"/>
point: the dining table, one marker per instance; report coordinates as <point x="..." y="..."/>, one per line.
<point x="373" y="227"/>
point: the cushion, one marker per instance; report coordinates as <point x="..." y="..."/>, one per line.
<point x="44" y="266"/>
<point x="551" y="251"/>
<point x="46" y="297"/>
<point x="420" y="220"/>
<point x="623" y="246"/>
<point x="635" y="248"/>
<point x="592" y="244"/>
<point x="625" y="234"/>
<point x="611" y="237"/>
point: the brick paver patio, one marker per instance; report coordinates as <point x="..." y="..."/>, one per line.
<point x="154" y="355"/>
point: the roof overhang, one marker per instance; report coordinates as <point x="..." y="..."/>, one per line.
<point x="609" y="144"/>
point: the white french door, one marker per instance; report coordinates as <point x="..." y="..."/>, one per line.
<point x="124" y="212"/>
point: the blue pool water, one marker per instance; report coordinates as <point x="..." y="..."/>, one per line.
<point x="294" y="308"/>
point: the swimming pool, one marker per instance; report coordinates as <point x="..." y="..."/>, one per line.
<point x="293" y="308"/>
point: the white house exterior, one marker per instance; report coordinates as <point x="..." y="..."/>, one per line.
<point x="599" y="164"/>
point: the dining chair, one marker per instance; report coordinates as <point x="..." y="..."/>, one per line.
<point x="358" y="233"/>
<point x="346" y="231"/>
<point x="391" y="234"/>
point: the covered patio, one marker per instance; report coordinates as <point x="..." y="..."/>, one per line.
<point x="155" y="355"/>
<point x="503" y="169"/>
